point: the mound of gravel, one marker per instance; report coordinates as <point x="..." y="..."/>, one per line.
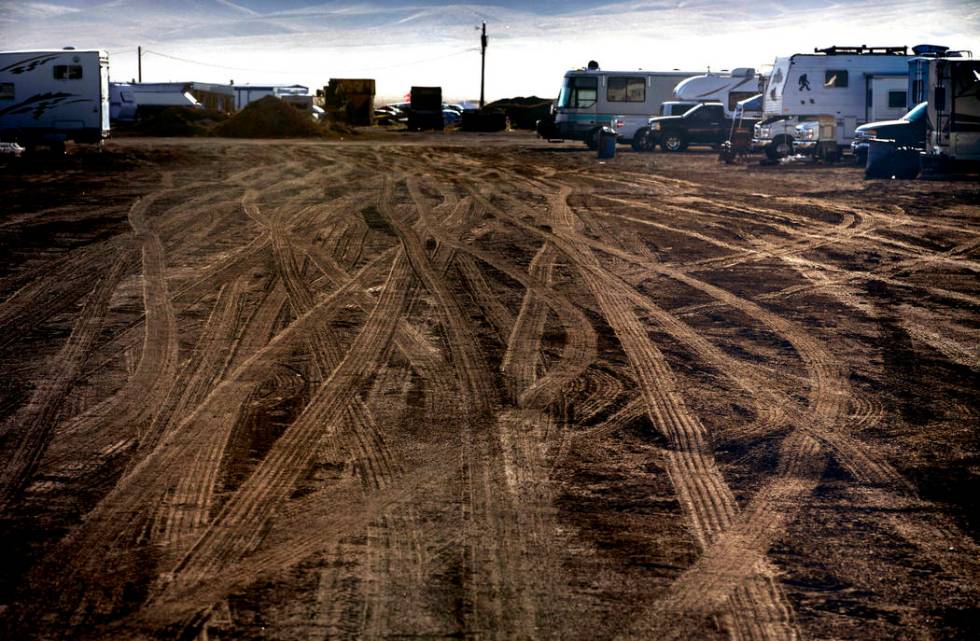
<point x="179" y="121"/>
<point x="270" y="118"/>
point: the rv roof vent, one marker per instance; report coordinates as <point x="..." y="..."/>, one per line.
<point x="929" y="50"/>
<point x="743" y="72"/>
<point x="593" y="65"/>
<point x="69" y="48"/>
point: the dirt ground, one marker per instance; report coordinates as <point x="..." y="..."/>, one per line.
<point x="484" y="387"/>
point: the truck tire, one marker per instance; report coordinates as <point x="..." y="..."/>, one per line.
<point x="674" y="141"/>
<point x="781" y="147"/>
<point x="592" y="139"/>
<point x="641" y="140"/>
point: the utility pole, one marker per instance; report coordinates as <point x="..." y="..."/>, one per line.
<point x="139" y="63"/>
<point x="483" y="61"/>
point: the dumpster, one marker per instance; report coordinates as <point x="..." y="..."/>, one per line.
<point x="607" y="143"/>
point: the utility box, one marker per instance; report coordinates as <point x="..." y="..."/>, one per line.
<point x="426" y="109"/>
<point x="350" y="100"/>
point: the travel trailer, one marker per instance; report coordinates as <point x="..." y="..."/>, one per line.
<point x="50" y="97"/>
<point x="726" y="88"/>
<point x="129" y="102"/>
<point x="832" y="91"/>
<point x="953" y="117"/>
<point x="593" y="98"/>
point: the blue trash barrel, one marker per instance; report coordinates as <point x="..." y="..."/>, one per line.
<point x="607" y="143"/>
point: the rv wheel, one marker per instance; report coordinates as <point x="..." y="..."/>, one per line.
<point x="780" y="148"/>
<point x="674" y="141"/>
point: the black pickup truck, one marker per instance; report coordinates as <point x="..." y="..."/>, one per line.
<point x="703" y="124"/>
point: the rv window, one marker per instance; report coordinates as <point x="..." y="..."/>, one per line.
<point x="835" y="78"/>
<point x="579" y="92"/>
<point x="626" y="90"/>
<point x="896" y="99"/>
<point x="67" y="72"/>
<point x="736" y="96"/>
<point x="6" y="91"/>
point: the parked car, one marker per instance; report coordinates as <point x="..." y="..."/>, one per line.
<point x="451" y="116"/>
<point x="703" y="124"/>
<point x="907" y="131"/>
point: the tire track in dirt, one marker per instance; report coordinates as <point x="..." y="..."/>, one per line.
<point x="304" y="528"/>
<point x="122" y="418"/>
<point x="35" y="421"/>
<point x="202" y="371"/>
<point x="522" y="358"/>
<point x="237" y="528"/>
<point x="702" y="491"/>
<point x="187" y="507"/>
<point x="705" y="503"/>
<point x="494" y="601"/>
<point x="76" y="567"/>
<point x="856" y="457"/>
<point x="361" y="435"/>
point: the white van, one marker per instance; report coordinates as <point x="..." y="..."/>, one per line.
<point x="592" y="98"/>
<point x="49" y="97"/>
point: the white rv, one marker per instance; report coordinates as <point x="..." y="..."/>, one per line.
<point x="726" y="88"/>
<point x="48" y="97"/>
<point x="832" y="91"/>
<point x="592" y="98"/>
<point x="129" y="102"/>
<point x="247" y="94"/>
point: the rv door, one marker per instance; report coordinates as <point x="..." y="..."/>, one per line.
<point x="887" y="97"/>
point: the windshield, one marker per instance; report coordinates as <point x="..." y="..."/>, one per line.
<point x="917" y="112"/>
<point x="579" y="92"/>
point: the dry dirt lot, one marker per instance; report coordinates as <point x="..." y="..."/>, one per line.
<point x="484" y="387"/>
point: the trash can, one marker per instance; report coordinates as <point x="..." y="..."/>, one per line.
<point x="607" y="143"/>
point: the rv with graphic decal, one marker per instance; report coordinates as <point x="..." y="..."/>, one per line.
<point x="50" y="97"/>
<point x="814" y="102"/>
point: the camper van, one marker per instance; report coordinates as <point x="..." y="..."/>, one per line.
<point x="726" y="88"/>
<point x="831" y="92"/>
<point x="593" y="98"/>
<point x="49" y="97"/>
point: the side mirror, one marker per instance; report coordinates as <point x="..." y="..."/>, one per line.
<point x="939" y="99"/>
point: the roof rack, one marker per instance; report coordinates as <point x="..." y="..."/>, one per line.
<point x="862" y="50"/>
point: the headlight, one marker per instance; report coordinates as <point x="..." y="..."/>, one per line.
<point x="869" y="133"/>
<point x="655" y="126"/>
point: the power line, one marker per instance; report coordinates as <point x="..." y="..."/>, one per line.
<point x="280" y="71"/>
<point x="209" y="64"/>
<point x="422" y="61"/>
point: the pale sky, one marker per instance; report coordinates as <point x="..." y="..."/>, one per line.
<point x="406" y="42"/>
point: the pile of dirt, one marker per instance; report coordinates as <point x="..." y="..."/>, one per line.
<point x="523" y="112"/>
<point x="180" y="121"/>
<point x="273" y="118"/>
